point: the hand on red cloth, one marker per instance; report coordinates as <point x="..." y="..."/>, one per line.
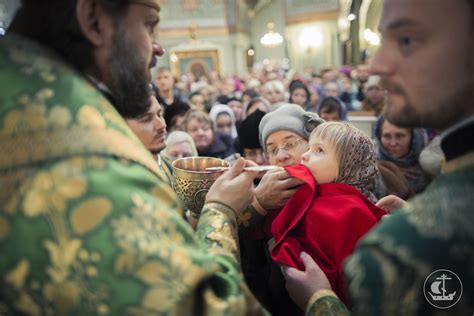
<point x="301" y="285"/>
<point x="326" y="221"/>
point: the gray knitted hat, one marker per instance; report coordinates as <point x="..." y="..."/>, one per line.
<point x="290" y="117"/>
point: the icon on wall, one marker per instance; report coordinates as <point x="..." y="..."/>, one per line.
<point x="199" y="63"/>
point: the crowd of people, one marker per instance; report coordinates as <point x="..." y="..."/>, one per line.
<point x="90" y="224"/>
<point x="212" y="111"/>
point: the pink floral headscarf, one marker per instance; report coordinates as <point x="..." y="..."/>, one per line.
<point x="357" y="164"/>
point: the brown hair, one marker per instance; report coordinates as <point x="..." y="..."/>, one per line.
<point x="198" y="115"/>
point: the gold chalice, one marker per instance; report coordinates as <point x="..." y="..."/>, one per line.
<point x="191" y="180"/>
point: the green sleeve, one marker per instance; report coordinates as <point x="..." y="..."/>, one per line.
<point x="103" y="236"/>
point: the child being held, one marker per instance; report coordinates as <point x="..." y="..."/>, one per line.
<point x="334" y="208"/>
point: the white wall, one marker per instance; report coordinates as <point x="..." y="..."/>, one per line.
<point x="326" y="54"/>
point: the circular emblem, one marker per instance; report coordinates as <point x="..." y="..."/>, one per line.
<point x="442" y="288"/>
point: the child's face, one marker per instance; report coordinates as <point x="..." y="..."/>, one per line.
<point x="329" y="116"/>
<point x="299" y="96"/>
<point x="321" y="160"/>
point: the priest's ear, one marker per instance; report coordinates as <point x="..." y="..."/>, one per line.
<point x="95" y="23"/>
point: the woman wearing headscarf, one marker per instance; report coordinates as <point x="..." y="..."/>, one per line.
<point x="209" y="143"/>
<point x="299" y="94"/>
<point x="403" y="146"/>
<point x="223" y="120"/>
<point x="332" y="109"/>
<point x="283" y="135"/>
<point x="253" y="104"/>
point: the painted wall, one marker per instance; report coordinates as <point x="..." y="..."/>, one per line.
<point x="272" y="12"/>
<point x="220" y="24"/>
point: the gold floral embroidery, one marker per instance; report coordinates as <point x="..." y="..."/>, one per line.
<point x="221" y="235"/>
<point x="224" y="236"/>
<point x="17" y="276"/>
<point x="144" y="228"/>
<point x="90" y="214"/>
<point x="31" y="119"/>
<point x="166" y="288"/>
<point x="125" y="262"/>
<point x="27" y="305"/>
<point x="50" y="191"/>
<point x="144" y="234"/>
<point x="34" y="116"/>
<point x="4" y="227"/>
<point x="31" y="63"/>
<point x="59" y="116"/>
<point x="88" y="116"/>
<point x="244" y="218"/>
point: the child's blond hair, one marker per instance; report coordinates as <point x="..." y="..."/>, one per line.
<point x="355" y="152"/>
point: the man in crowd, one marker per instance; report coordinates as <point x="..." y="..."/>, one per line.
<point x="88" y="224"/>
<point x="166" y="93"/>
<point x="151" y="130"/>
<point x="399" y="267"/>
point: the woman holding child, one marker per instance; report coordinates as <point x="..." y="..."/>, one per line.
<point x="330" y="209"/>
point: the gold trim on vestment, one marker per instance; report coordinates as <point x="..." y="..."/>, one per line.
<point x="459" y="163"/>
<point x="319" y="294"/>
<point x="46" y="145"/>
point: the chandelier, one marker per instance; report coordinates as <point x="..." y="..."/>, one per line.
<point x="271" y="38"/>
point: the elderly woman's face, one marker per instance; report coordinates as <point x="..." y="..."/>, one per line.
<point x="395" y="140"/>
<point x="224" y="123"/>
<point x="274" y="96"/>
<point x="285" y="148"/>
<point x="201" y="132"/>
<point x="179" y="150"/>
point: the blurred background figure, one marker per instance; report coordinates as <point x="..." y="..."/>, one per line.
<point x="332" y="109"/>
<point x="403" y="146"/>
<point x="253" y="104"/>
<point x="315" y="97"/>
<point x="165" y="90"/>
<point x="223" y="120"/>
<point x="174" y="116"/>
<point x="331" y="89"/>
<point x="299" y="94"/>
<point x="250" y="147"/>
<point x="179" y="144"/>
<point x="274" y="91"/>
<point x="208" y="142"/>
<point x="197" y="101"/>
<point x="374" y="100"/>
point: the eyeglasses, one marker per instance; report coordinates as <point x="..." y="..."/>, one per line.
<point x="286" y="146"/>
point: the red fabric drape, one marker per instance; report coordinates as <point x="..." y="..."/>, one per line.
<point x="326" y="221"/>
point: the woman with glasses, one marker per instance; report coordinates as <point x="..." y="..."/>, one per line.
<point x="283" y="134"/>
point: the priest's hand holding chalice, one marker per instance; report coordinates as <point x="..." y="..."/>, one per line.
<point x="200" y="180"/>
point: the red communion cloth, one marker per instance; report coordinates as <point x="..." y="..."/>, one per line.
<point x="325" y="221"/>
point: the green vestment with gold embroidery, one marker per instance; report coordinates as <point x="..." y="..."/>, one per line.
<point x="88" y="223"/>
